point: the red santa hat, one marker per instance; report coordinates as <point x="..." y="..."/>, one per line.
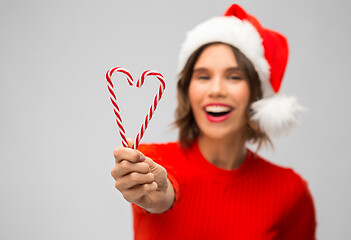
<point x="267" y="50"/>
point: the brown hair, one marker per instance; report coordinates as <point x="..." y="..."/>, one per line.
<point x="185" y="121"/>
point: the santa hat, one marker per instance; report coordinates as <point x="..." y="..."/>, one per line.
<point x="267" y="50"/>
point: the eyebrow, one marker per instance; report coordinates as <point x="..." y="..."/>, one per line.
<point x="234" y="69"/>
<point x="201" y="69"/>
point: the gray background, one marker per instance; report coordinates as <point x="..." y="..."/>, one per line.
<point x="57" y="129"/>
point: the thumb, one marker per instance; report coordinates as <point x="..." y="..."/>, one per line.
<point x="130" y="142"/>
<point x="159" y="172"/>
<point x="152" y="164"/>
<point x="154" y="167"/>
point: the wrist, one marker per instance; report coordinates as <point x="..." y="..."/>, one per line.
<point x="166" y="201"/>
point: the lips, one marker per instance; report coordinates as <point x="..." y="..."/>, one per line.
<point x="217" y="112"/>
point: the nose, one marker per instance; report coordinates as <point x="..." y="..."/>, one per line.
<point x="217" y="88"/>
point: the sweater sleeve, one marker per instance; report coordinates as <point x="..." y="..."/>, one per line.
<point x="301" y="220"/>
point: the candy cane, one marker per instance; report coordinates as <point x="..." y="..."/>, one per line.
<point x="114" y="99"/>
<point x="157" y="98"/>
<point x="139" y="83"/>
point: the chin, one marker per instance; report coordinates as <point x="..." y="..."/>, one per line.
<point x="221" y="134"/>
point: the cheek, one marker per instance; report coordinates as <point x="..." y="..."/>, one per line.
<point x="240" y="94"/>
<point x="193" y="93"/>
<point x="243" y="94"/>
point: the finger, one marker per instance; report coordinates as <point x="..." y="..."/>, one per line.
<point x="136" y="193"/>
<point x="124" y="167"/>
<point x="132" y="155"/>
<point x="133" y="179"/>
<point x="130" y="142"/>
<point x="114" y="172"/>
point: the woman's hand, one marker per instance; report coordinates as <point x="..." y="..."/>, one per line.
<point x="141" y="180"/>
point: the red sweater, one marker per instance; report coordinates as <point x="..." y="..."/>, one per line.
<point x="259" y="200"/>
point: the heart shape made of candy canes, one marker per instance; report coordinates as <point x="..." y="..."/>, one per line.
<point x="139" y="83"/>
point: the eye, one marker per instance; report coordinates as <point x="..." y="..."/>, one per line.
<point x="203" y="77"/>
<point x="235" y="77"/>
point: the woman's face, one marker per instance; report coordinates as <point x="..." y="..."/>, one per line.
<point x="219" y="93"/>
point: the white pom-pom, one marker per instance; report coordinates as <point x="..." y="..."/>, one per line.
<point x="276" y="115"/>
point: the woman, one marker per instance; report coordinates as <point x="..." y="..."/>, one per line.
<point x="208" y="185"/>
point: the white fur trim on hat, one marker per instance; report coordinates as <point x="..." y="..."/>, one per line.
<point x="233" y="31"/>
<point x="276" y="115"/>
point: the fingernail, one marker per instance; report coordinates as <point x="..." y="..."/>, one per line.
<point x="142" y="157"/>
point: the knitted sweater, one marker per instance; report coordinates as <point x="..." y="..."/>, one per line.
<point x="259" y="200"/>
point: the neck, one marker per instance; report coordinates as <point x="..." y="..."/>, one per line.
<point x="224" y="153"/>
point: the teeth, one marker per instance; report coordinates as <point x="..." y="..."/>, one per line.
<point x="217" y="109"/>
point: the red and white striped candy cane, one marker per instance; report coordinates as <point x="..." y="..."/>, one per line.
<point x="114" y="99"/>
<point x="139" y="83"/>
<point x="153" y="107"/>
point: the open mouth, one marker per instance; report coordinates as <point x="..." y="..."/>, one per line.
<point x="217" y="110"/>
